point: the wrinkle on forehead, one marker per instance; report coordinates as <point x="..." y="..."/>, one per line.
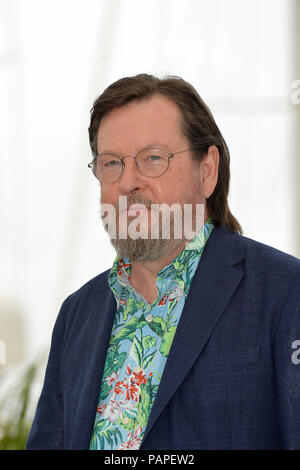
<point x="141" y="123"/>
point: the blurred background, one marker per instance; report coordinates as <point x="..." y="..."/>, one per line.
<point x="56" y="57"/>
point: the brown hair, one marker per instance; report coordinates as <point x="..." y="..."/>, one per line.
<point x="198" y="126"/>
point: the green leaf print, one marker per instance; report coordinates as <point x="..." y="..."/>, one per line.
<point x="145" y="405"/>
<point x="167" y="341"/>
<point x="119" y="434"/>
<point x="94" y="442"/>
<point x="171" y="307"/>
<point x="158" y="325"/>
<point x="130" y="413"/>
<point x="180" y="282"/>
<point x="148" y="359"/>
<point x="102" y="425"/>
<point x="149" y="342"/>
<point x="108" y="436"/>
<point x="129" y="305"/>
<point x="166" y="273"/>
<point x="178" y="266"/>
<point x="137" y="351"/>
<point x="105" y="389"/>
<point x="132" y="306"/>
<point x="128" y="332"/>
<point x="114" y="362"/>
<point x="103" y="431"/>
<point x="127" y="423"/>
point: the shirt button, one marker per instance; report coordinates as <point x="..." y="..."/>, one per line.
<point x="149" y="318"/>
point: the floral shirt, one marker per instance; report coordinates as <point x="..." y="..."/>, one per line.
<point x="140" y="342"/>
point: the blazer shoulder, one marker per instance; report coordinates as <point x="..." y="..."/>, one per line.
<point x="267" y="257"/>
<point x="82" y="299"/>
<point x="95" y="284"/>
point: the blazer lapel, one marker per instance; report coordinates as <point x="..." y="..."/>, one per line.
<point x="214" y="283"/>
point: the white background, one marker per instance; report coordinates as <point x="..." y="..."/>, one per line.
<point x="56" y="57"/>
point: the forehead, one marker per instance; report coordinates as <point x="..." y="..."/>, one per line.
<point x="156" y="120"/>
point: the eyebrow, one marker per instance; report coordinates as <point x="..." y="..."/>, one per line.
<point x="159" y="146"/>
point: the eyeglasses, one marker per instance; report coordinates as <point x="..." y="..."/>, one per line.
<point x="151" y="162"/>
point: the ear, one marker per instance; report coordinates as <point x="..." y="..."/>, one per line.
<point x="210" y="166"/>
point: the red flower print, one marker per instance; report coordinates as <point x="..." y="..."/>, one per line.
<point x="163" y="300"/>
<point x="100" y="408"/>
<point x="133" y="441"/>
<point x="139" y="378"/>
<point x="112" y="411"/>
<point x="111" y="378"/>
<point x="131" y="388"/>
<point x="123" y="265"/>
<point x="118" y="387"/>
<point x="132" y="391"/>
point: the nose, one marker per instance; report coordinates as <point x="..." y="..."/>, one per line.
<point x="131" y="179"/>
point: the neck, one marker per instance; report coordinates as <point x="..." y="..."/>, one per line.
<point x="143" y="275"/>
<point x="150" y="269"/>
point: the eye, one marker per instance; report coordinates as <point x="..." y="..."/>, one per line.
<point x="154" y="157"/>
<point x="110" y="162"/>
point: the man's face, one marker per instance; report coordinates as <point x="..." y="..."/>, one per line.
<point x="125" y="131"/>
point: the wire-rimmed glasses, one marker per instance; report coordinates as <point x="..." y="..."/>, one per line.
<point x="150" y="161"/>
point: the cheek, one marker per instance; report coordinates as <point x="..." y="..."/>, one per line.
<point x="171" y="186"/>
<point x="108" y="194"/>
<point x="167" y="191"/>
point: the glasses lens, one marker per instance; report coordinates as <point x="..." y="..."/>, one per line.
<point x="108" y="168"/>
<point x="152" y="162"/>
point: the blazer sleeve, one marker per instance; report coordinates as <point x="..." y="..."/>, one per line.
<point x="47" y="430"/>
<point x="287" y="367"/>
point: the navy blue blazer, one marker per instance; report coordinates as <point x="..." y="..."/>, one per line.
<point x="232" y="378"/>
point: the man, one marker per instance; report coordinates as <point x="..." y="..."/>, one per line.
<point x="188" y="342"/>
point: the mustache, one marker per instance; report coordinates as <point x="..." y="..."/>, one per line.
<point x="136" y="199"/>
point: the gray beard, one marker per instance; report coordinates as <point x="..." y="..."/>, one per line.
<point x="148" y="249"/>
<point x="144" y="249"/>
